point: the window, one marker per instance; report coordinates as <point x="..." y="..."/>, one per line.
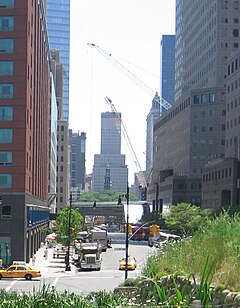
<point x="6" y="211"/>
<point x="6" y="135"/>
<point x="235" y="32"/>
<point x="6" y="90"/>
<point x="204" y="98"/>
<point x="6" y="113"/>
<point x="5" y="158"/>
<point x="196" y="99"/>
<point x="6" y="23"/>
<point x="6" y="45"/>
<point x="212" y="98"/>
<point x="6" y="68"/>
<point x="5" y="180"/>
<point x="7" y="4"/>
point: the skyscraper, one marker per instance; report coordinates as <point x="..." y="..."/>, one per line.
<point x="168" y="68"/>
<point x="24" y="132"/>
<point x="77" y="144"/>
<point x="110" y="170"/>
<point x="192" y="133"/>
<point x="58" y="27"/>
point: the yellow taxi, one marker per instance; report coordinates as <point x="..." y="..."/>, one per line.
<point x="131" y="263"/>
<point x="19" y="271"/>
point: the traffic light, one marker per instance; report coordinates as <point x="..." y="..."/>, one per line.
<point x="154" y="229"/>
<point x="129" y="228"/>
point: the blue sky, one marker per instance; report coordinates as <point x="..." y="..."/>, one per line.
<point x="130" y="30"/>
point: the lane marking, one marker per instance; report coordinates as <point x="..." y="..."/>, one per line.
<point x="55" y="282"/>
<point x="11" y="284"/>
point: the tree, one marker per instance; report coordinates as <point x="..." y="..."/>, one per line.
<point x="107" y="196"/>
<point x="186" y="218"/>
<point x="62" y="224"/>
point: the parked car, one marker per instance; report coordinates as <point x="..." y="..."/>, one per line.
<point x="19" y="271"/>
<point x="131" y="263"/>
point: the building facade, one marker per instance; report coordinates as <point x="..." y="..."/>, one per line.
<point x="62" y="149"/>
<point x="77" y="144"/>
<point x="24" y="128"/>
<point x="168" y="68"/>
<point x="58" y="26"/>
<point x="110" y="171"/>
<point x="221" y="177"/>
<point x="207" y="34"/>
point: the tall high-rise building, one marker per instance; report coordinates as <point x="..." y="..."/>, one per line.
<point x="110" y="170"/>
<point x="58" y="27"/>
<point x="62" y="150"/>
<point x="207" y="32"/>
<point x="168" y="68"/>
<point x="166" y="91"/>
<point x="152" y="116"/>
<point x="77" y="143"/>
<point x="192" y="133"/>
<point x="24" y="132"/>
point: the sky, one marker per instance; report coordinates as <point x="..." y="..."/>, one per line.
<point x="131" y="31"/>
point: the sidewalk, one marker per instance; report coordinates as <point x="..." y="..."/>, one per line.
<point x="52" y="267"/>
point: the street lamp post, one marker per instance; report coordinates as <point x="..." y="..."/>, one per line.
<point x="67" y="257"/>
<point x="127" y="233"/>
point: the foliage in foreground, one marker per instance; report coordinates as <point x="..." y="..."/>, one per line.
<point x="218" y="239"/>
<point x="48" y="297"/>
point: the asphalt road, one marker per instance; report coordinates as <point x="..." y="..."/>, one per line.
<point x="79" y="282"/>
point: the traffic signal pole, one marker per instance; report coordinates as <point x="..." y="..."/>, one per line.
<point x="67" y="260"/>
<point x="127" y="234"/>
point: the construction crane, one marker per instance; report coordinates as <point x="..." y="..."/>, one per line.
<point x="161" y="101"/>
<point x="121" y="128"/>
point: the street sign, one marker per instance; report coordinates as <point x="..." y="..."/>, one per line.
<point x="120" y="248"/>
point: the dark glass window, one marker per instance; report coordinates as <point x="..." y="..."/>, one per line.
<point x="6" y="211"/>
<point x="6" y="45"/>
<point x="6" y="113"/>
<point x="6" y="90"/>
<point x="7" y="4"/>
<point x="5" y="180"/>
<point x="6" y="23"/>
<point x="5" y="158"/>
<point x="6" y="68"/>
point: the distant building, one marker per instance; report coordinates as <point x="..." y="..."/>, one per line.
<point x="77" y="143"/>
<point x="168" y="68"/>
<point x="152" y="116"/>
<point x="110" y="170"/>
<point x="62" y="170"/>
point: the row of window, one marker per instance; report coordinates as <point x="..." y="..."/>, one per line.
<point x="204" y="129"/>
<point x="217" y="175"/>
<point x="204" y="98"/>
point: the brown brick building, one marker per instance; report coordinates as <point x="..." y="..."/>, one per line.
<point x="24" y="128"/>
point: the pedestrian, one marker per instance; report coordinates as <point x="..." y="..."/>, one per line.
<point x="33" y="259"/>
<point x="45" y="253"/>
<point x="54" y="252"/>
<point x="58" y="253"/>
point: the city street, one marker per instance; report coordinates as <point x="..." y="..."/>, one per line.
<point x="109" y="277"/>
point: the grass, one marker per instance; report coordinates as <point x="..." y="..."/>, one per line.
<point x="219" y="240"/>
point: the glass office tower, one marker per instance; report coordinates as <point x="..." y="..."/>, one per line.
<point x="58" y="26"/>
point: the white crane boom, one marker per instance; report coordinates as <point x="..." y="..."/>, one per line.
<point x="119" y="123"/>
<point x="161" y="101"/>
